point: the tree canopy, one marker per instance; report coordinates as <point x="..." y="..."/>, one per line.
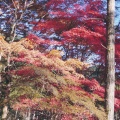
<point x="53" y="58"/>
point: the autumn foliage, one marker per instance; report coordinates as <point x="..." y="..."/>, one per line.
<point x="46" y="81"/>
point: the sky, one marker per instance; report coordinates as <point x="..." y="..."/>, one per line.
<point x="117" y="18"/>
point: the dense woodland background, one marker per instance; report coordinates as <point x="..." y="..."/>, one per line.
<point x="53" y="59"/>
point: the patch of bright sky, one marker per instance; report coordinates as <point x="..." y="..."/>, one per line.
<point x="117" y="18"/>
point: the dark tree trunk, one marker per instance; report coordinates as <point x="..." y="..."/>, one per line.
<point x="110" y="59"/>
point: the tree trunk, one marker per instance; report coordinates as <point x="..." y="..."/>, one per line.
<point x="110" y="59"/>
<point x="2" y="67"/>
<point x="5" y="112"/>
<point x="5" y="108"/>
